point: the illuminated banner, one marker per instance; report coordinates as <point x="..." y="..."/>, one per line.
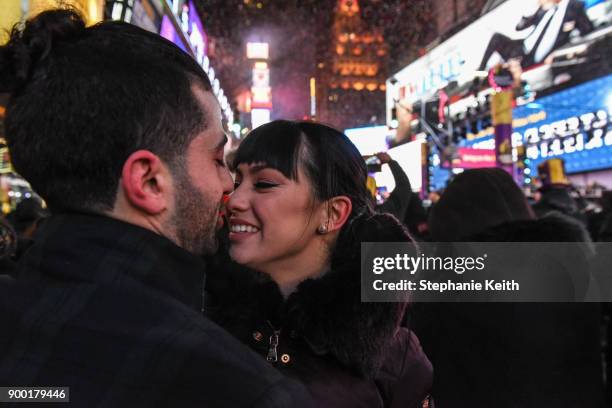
<point x="192" y="28"/>
<point x="574" y="125"/>
<point x="257" y="50"/>
<point x="471" y="158"/>
<point x="410" y="157"/>
<point x="261" y="98"/>
<point x="261" y="75"/>
<point x="501" y="114"/>
<point x="564" y="29"/>
<point x="261" y="93"/>
<point x="369" y="140"/>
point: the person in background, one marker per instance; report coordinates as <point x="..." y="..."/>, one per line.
<point x="513" y="354"/>
<point x="602" y="228"/>
<point x="119" y="132"/>
<point x="399" y="199"/>
<point x="26" y="219"/>
<point x="297" y="218"/>
<point x="555" y="192"/>
<point x="8" y="247"/>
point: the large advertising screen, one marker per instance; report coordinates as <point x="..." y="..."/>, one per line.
<point x="369" y="140"/>
<point x="409" y="157"/>
<point x="535" y="33"/>
<point x="573" y="124"/>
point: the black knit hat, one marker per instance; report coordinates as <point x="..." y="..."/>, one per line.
<point x="474" y="201"/>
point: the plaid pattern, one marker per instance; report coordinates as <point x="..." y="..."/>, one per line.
<point x="112" y="311"/>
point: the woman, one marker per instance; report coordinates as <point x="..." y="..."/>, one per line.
<point x="298" y="215"/>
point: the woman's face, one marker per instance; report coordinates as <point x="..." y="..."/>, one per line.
<point x="273" y="219"/>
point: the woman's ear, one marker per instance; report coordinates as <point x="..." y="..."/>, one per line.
<point x="337" y="212"/>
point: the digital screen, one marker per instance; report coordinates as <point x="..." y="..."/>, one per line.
<point x="369" y="140"/>
<point x="573" y="124"/>
<point x="524" y="29"/>
<point x="409" y="157"/>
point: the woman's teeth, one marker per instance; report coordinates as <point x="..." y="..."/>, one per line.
<point x="244" y="228"/>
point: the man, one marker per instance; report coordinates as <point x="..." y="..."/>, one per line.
<point x="117" y="129"/>
<point x="552" y="23"/>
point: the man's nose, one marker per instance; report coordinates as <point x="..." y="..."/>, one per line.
<point x="227" y="182"/>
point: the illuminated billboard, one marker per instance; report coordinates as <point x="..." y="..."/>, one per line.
<point x="573" y="124"/>
<point x="410" y="157"/>
<point x="369" y="140"/>
<point x="257" y="50"/>
<point x="546" y="37"/>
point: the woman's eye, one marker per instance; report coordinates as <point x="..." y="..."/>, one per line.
<point x="265" y="184"/>
<point x="236" y="184"/>
<point x="221" y="162"/>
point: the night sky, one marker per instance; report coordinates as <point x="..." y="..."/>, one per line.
<point x="299" y="35"/>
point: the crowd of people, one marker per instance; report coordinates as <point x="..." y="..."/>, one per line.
<point x="155" y="278"/>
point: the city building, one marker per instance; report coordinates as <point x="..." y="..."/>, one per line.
<point x="351" y="84"/>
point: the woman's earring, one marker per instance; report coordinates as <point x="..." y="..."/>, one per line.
<point x="322" y="229"/>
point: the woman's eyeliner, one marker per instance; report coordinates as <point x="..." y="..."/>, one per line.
<point x="265" y="184"/>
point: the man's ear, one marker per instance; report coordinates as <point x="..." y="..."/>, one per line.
<point x="146" y="182"/>
<point x="338" y="210"/>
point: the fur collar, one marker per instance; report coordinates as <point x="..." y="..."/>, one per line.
<point x="327" y="312"/>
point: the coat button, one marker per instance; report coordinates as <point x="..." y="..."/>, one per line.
<point x="257" y="336"/>
<point x="285" y="358"/>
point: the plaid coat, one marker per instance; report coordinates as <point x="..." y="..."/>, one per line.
<point x="112" y="311"/>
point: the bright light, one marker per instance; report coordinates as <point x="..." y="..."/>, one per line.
<point x="369" y="140"/>
<point x="236" y="128"/>
<point x="394" y="123"/>
<point x="257" y="50"/>
<point x="259" y="117"/>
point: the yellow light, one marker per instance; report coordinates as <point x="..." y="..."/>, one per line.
<point x="261" y="65"/>
<point x="313" y="88"/>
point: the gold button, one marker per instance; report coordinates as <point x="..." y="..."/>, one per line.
<point x="285" y="358"/>
<point x="257" y="336"/>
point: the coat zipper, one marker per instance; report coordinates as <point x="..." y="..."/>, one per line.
<point x="273" y="349"/>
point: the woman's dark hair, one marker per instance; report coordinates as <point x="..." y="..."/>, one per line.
<point x="332" y="164"/>
<point x="82" y="99"/>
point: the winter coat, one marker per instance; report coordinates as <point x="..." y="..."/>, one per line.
<point x="347" y="353"/>
<point x="512" y="354"/>
<point x="113" y="311"/>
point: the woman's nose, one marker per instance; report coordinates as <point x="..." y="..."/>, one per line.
<point x="237" y="201"/>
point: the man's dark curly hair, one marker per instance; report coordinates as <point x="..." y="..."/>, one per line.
<point x="84" y="98"/>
